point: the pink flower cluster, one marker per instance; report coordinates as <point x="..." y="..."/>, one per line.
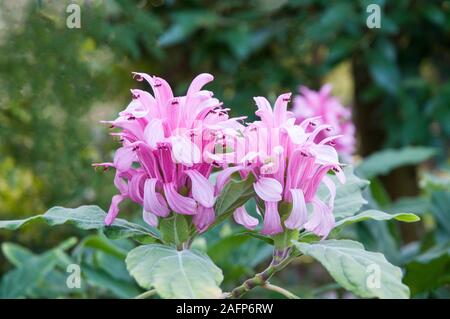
<point x="289" y="166"/>
<point x="326" y="109"/>
<point x="171" y="145"/>
<point x="165" y="136"/>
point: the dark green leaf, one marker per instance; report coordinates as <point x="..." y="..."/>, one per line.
<point x="382" y="162"/>
<point x="235" y="194"/>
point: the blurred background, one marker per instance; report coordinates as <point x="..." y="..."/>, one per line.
<point x="57" y="83"/>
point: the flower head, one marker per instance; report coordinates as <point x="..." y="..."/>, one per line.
<point x="160" y="164"/>
<point x="289" y="162"/>
<point x="326" y="109"/>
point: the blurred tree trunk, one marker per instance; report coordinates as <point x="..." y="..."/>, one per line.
<point x="371" y="136"/>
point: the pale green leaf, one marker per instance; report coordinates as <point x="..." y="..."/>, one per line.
<point x="376" y="215"/>
<point x="16" y="254"/>
<point x="173" y="273"/>
<point x="84" y="217"/>
<point x="366" y="274"/>
<point x="18" y="282"/>
<point x="349" y="197"/>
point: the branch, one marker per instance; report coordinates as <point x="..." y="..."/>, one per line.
<point x="146" y="294"/>
<point x="280" y="260"/>
<point x="280" y="290"/>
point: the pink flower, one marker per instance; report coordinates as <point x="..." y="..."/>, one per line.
<point x="289" y="162"/>
<point x="160" y="164"/>
<point x="327" y="109"/>
<point x="170" y="146"/>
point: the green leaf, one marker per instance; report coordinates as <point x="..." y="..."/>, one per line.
<point x="416" y="205"/>
<point x="376" y="215"/>
<point x="174" y="229"/>
<point x="112" y="265"/>
<point x="174" y="273"/>
<point x="384" y="72"/>
<point x="240" y="249"/>
<point x="84" y="217"/>
<point x="102" y="244"/>
<point x="101" y="279"/>
<point x="366" y="274"/>
<point x="429" y="270"/>
<point x="19" y="255"/>
<point x="440" y="203"/>
<point x="283" y="240"/>
<point x="382" y="162"/>
<point x="377" y="194"/>
<point x="257" y="235"/>
<point x="370" y="233"/>
<point x="349" y="197"/>
<point x="221" y="250"/>
<point x="243" y="42"/>
<point x="185" y="23"/>
<point x="16" y="254"/>
<point x="18" y="282"/>
<point x="48" y="282"/>
<point x="235" y="194"/>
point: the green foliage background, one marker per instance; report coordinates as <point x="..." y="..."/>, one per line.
<point x="57" y="83"/>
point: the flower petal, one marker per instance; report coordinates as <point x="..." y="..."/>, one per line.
<point x="202" y="190"/>
<point x="272" y="221"/>
<point x="331" y="188"/>
<point x="163" y="88"/>
<point x="242" y="217"/>
<point x="204" y="218"/>
<point x="295" y="132"/>
<point x="113" y="209"/>
<point x="124" y="158"/>
<point x="299" y="213"/>
<point x="135" y="109"/>
<point x="154" y="132"/>
<point x="150" y="218"/>
<point x="224" y="176"/>
<point x="160" y="88"/>
<point x="153" y="201"/>
<point x="264" y="110"/>
<point x="184" y="151"/>
<point x="135" y="187"/>
<point x="322" y="219"/>
<point x="324" y="154"/>
<point x="200" y="81"/>
<point x="268" y="189"/>
<point x="180" y="204"/>
<point x="120" y="183"/>
<point x="325" y="90"/>
<point x="339" y="174"/>
<point x="280" y="109"/>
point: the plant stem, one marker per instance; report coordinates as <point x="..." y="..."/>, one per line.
<point x="279" y="261"/>
<point x="280" y="290"/>
<point x="146" y="294"/>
